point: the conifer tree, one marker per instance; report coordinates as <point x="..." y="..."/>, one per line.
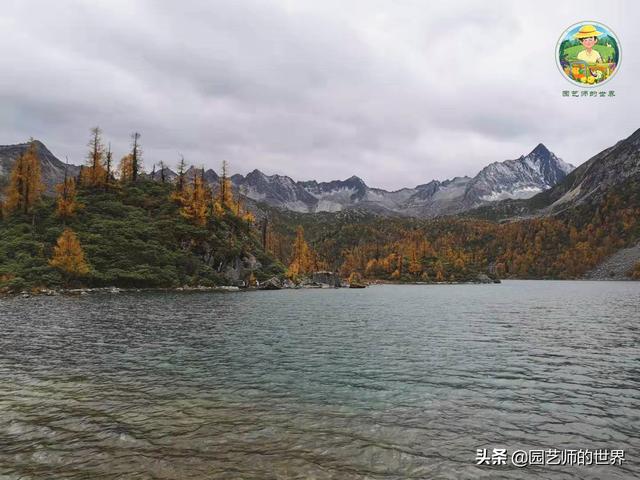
<point x="225" y="200"/>
<point x="66" y="203"/>
<point x="126" y="169"/>
<point x="109" y="167"/>
<point x="180" y="182"/>
<point x="95" y="174"/>
<point x="301" y="255"/>
<point x="136" y="156"/>
<point x="68" y="256"/>
<point x="195" y="200"/>
<point x="163" y="177"/>
<point x="25" y="184"/>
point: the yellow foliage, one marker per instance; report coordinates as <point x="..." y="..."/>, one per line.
<point x="66" y="203"/>
<point x="94" y="174"/>
<point x="355" y="278"/>
<point x="195" y="201"/>
<point x="25" y="184"/>
<point x="68" y="255"/>
<point x="248" y="217"/>
<point x="302" y="257"/>
<point x="126" y="168"/>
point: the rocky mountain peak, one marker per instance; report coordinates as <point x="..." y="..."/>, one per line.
<point x="519" y="178"/>
<point x="540" y="151"/>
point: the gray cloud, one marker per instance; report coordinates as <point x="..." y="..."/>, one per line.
<point x="395" y="92"/>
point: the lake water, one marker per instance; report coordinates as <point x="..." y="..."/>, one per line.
<point x="389" y="382"/>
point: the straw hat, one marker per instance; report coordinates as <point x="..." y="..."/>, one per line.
<point x="587" y="31"/>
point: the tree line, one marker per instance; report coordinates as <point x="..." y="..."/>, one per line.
<point x="197" y="201"/>
<point x="372" y="248"/>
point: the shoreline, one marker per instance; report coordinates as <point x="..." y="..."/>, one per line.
<point x="50" y="292"/>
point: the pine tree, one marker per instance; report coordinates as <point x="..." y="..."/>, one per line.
<point x="25" y="184"/>
<point x="163" y="178"/>
<point x="109" y="167"/>
<point x="136" y="156"/>
<point x="180" y="181"/>
<point x="68" y="256"/>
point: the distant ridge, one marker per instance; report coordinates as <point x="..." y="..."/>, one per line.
<point x="524" y="177"/>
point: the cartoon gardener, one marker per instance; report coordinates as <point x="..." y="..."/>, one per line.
<point x="588" y="37"/>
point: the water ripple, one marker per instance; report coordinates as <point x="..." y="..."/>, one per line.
<point x="389" y="382"/>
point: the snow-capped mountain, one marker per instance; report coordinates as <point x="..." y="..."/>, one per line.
<point x="519" y="178"/>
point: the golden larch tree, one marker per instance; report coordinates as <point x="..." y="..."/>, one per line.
<point x="301" y="256"/>
<point x="66" y="202"/>
<point x="68" y="256"/>
<point x="224" y="201"/>
<point x="95" y="174"/>
<point x="195" y="200"/>
<point x="25" y="183"/>
<point x="126" y="169"/>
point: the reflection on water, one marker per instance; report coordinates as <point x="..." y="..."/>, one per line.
<point x="390" y="382"/>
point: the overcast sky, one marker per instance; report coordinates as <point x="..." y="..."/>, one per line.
<point x="397" y="92"/>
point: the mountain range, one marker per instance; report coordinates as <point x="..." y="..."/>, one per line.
<point x="511" y="179"/>
<point x="520" y="178"/>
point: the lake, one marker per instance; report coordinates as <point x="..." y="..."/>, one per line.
<point x="389" y="382"/>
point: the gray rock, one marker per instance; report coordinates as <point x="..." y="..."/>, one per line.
<point x="483" y="278"/>
<point x="331" y="279"/>
<point x="617" y="266"/>
<point x="272" y="284"/>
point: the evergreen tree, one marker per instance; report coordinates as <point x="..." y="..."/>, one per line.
<point x="136" y="156"/>
<point x="163" y="178"/>
<point x="180" y="183"/>
<point x="109" y="167"/>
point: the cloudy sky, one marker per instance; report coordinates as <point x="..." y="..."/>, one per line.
<point x="397" y="92"/>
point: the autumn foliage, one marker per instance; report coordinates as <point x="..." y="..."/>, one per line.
<point x="25" y="185"/>
<point x="453" y="249"/>
<point x="66" y="201"/>
<point x="635" y="272"/>
<point x="196" y="200"/>
<point x="94" y="174"/>
<point x="304" y="259"/>
<point x="125" y="169"/>
<point x="68" y="256"/>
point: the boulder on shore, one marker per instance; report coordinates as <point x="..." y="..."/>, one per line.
<point x="272" y="284"/>
<point x="326" y="278"/>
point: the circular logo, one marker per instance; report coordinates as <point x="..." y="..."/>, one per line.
<point x="588" y="54"/>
